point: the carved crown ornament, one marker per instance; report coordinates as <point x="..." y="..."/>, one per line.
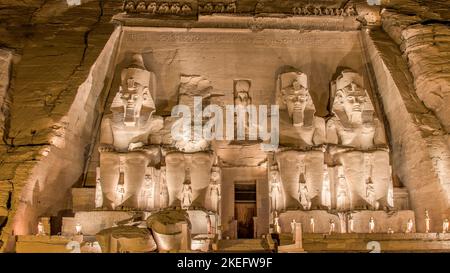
<point x="161" y="8"/>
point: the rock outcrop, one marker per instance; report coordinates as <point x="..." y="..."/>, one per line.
<point x="126" y="239"/>
<point x="424" y="41"/>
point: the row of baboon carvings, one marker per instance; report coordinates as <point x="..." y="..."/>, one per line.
<point x="185" y="8"/>
<point x="129" y="174"/>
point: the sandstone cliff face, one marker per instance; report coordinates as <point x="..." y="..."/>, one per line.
<point x="55" y="89"/>
<point x="422" y="33"/>
<point x="6" y="57"/>
<point x="424" y="41"/>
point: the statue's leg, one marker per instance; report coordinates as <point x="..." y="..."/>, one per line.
<point x="136" y="163"/>
<point x="109" y="169"/>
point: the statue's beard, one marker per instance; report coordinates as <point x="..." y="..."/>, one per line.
<point x="297" y="116"/>
<point x="132" y="112"/>
<point x="355" y="117"/>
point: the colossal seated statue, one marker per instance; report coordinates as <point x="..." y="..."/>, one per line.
<point x="131" y="121"/>
<point x="355" y="123"/>
<point x="302" y="126"/>
<point x="124" y="151"/>
<point x="359" y="145"/>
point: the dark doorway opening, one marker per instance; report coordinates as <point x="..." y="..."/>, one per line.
<point x="245" y="207"/>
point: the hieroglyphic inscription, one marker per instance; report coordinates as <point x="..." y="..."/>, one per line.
<point x="305" y="40"/>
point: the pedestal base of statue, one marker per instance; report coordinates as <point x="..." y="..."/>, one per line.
<point x="202" y="242"/>
<point x="291" y="249"/>
<point x="42" y="244"/>
<point x="394" y="220"/>
<point x="93" y="222"/>
<point x="372" y="242"/>
<point x="78" y="238"/>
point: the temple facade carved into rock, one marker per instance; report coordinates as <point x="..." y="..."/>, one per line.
<point x="196" y="124"/>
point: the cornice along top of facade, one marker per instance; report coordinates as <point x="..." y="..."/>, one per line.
<point x="303" y="14"/>
<point x="193" y="8"/>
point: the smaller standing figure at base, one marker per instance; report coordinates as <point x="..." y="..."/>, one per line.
<point x="427" y="222"/>
<point x="351" y="223"/>
<point x="371" y="225"/>
<point x="332" y="227"/>
<point x="215" y="189"/>
<point x="312" y="224"/>
<point x="98" y="189"/>
<point x="326" y="192"/>
<point x="293" y="229"/>
<point x="276" y="224"/>
<point x="445" y="226"/>
<point x="120" y="193"/>
<point x="275" y="188"/>
<point x="78" y="229"/>
<point x="186" y="191"/>
<point x="303" y="194"/>
<point x="409" y="226"/>
<point x="342" y="190"/>
<point x="370" y="195"/>
<point x="41" y="229"/>
<point x="186" y="194"/>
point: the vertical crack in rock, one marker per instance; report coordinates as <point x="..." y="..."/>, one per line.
<point x="86" y="34"/>
<point x="83" y="56"/>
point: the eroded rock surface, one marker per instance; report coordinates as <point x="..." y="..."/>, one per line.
<point x="423" y="34"/>
<point x="126" y="239"/>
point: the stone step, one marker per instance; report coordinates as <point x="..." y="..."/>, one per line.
<point x="413" y="242"/>
<point x="243" y="245"/>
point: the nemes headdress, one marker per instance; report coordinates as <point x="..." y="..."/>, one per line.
<point x="136" y="70"/>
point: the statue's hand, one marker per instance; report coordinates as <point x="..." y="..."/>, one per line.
<point x="106" y="148"/>
<point x="136" y="146"/>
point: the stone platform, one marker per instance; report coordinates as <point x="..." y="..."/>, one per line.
<point x="42" y="244"/>
<point x="243" y="245"/>
<point x="397" y="242"/>
<point x="94" y="221"/>
<point x="396" y="220"/>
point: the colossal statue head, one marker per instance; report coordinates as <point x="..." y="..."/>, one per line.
<point x="134" y="96"/>
<point x="351" y="97"/>
<point x="295" y="96"/>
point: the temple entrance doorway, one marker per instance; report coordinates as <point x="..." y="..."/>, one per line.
<point x="245" y="207"/>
